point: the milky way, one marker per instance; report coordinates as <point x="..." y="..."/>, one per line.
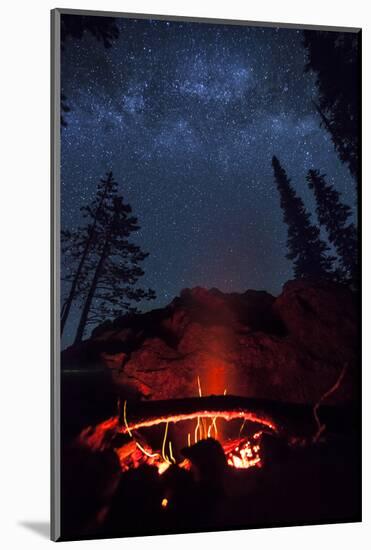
<point x="188" y="116"/>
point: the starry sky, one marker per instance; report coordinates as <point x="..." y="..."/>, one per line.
<point x="188" y="116"/>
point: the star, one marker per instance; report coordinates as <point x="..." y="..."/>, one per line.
<point x="187" y="116"/>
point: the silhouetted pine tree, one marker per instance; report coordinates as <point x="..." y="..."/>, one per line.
<point x="104" y="29"/>
<point x="105" y="265"/>
<point x="305" y="247"/>
<point x="334" y="59"/>
<point x="78" y="244"/>
<point x="113" y="268"/>
<point x="334" y="216"/>
<point x="64" y="109"/>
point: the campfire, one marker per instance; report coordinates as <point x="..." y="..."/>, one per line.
<point x="157" y="433"/>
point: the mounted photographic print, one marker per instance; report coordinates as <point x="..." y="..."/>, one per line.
<point x="206" y="288"/>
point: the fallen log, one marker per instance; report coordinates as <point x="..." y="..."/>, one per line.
<point x="285" y="419"/>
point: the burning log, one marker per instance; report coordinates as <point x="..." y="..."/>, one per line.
<point x="250" y="420"/>
<point x="274" y="416"/>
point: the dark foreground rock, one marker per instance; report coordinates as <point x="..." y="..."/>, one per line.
<point x="316" y="484"/>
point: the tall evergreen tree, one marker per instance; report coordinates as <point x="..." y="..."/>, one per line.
<point x="115" y="270"/>
<point x="105" y="264"/>
<point x="334" y="216"/>
<point x="77" y="245"/>
<point x="104" y="29"/>
<point x="334" y="59"/>
<point x="305" y="247"/>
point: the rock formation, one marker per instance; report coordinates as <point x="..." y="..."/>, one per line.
<point x="290" y="348"/>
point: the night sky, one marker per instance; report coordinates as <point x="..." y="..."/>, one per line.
<point x="188" y="116"/>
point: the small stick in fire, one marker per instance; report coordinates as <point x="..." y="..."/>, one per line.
<point x="201" y="423"/>
<point x="125" y="420"/>
<point x="242" y="426"/>
<point x="163" y="452"/>
<point x="321" y="427"/>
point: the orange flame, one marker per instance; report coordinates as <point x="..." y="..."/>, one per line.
<point x="240" y="453"/>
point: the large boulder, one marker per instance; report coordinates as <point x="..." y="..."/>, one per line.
<point x="291" y="348"/>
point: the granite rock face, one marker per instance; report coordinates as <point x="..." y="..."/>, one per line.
<point x="291" y="348"/>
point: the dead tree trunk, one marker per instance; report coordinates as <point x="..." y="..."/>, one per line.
<point x="90" y="295"/>
<point x="72" y="294"/>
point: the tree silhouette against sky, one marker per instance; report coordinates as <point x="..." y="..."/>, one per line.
<point x="103" y="265"/>
<point x="334" y="216"/>
<point x="307" y="251"/>
<point x="334" y="59"/>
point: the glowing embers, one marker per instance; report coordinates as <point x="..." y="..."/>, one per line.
<point x="158" y="436"/>
<point x="241" y="452"/>
<point x="244" y="453"/>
